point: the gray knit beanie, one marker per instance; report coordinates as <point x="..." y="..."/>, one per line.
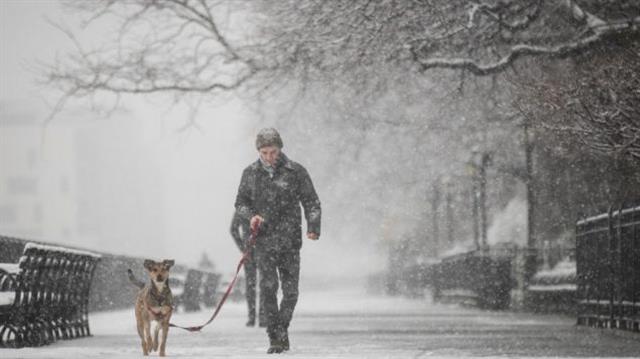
<point x="268" y="137"/>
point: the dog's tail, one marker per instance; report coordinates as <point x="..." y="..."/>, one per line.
<point x="134" y="280"/>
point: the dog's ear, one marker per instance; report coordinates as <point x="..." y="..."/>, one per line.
<point x="168" y="263"/>
<point x="148" y="264"/>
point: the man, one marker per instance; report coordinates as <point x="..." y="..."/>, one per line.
<point x="240" y="232"/>
<point x="270" y="193"/>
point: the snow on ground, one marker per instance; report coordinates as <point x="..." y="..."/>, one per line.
<point x="350" y="324"/>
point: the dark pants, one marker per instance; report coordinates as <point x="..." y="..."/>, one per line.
<point x="251" y="275"/>
<point x="286" y="265"/>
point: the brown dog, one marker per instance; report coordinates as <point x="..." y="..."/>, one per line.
<point x="154" y="302"/>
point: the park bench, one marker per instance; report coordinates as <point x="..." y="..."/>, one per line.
<point x="481" y="277"/>
<point x="209" y="289"/>
<point x="553" y="290"/>
<point x="45" y="296"/>
<point x="193" y="287"/>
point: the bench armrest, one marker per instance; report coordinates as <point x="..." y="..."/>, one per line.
<point x="7" y="280"/>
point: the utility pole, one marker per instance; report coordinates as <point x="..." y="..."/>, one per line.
<point x="472" y="170"/>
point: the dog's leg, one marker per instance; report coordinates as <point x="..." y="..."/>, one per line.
<point x="156" y="330"/>
<point x="140" y="326"/>
<point x="165" y="331"/>
<point x="147" y="331"/>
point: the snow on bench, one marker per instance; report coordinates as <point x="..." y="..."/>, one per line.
<point x="10" y="267"/>
<point x="60" y="249"/>
<point x="561" y="278"/>
<point x="14" y="268"/>
<point x="552" y="287"/>
<point x="564" y="269"/>
<point x="7" y="298"/>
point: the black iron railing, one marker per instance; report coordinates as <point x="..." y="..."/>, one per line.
<point x="608" y="269"/>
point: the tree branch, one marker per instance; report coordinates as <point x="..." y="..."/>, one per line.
<point x="522" y="50"/>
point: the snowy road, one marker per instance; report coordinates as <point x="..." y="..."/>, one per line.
<point x="347" y="324"/>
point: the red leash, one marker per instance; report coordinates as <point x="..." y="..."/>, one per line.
<point x="245" y="256"/>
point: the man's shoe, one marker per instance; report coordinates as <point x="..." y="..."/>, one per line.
<point x="285" y="343"/>
<point x="251" y="323"/>
<point x="276" y="347"/>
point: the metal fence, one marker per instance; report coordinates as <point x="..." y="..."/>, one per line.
<point x="608" y="269"/>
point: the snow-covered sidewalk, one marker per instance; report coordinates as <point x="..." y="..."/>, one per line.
<point x="350" y="324"/>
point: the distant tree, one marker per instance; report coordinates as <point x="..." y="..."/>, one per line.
<point x="156" y="46"/>
<point x="205" y="262"/>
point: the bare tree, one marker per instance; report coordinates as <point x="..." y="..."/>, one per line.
<point x="593" y="99"/>
<point x="498" y="33"/>
<point x="181" y="46"/>
<point x="150" y="46"/>
<point x="206" y="46"/>
<point x="482" y="37"/>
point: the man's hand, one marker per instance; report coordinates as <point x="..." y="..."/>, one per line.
<point x="312" y="236"/>
<point x="255" y="222"/>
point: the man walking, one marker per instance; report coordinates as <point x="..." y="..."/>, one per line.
<point x="270" y="193"/>
<point x="240" y="232"/>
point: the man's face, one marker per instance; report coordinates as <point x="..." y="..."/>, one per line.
<point x="269" y="154"/>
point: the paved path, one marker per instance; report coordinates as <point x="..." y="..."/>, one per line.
<point x="347" y="324"/>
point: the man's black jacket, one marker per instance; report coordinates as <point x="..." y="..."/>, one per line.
<point x="277" y="199"/>
<point x="239" y="231"/>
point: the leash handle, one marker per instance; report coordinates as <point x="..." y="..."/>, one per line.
<point x="245" y="255"/>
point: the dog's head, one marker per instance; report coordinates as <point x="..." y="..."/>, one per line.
<point x="158" y="271"/>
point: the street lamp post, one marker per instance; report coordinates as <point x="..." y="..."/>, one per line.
<point x="449" y="209"/>
<point x="435" y="203"/>
<point x="471" y="168"/>
<point x="478" y="165"/>
<point x="485" y="161"/>
<point x="531" y="254"/>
